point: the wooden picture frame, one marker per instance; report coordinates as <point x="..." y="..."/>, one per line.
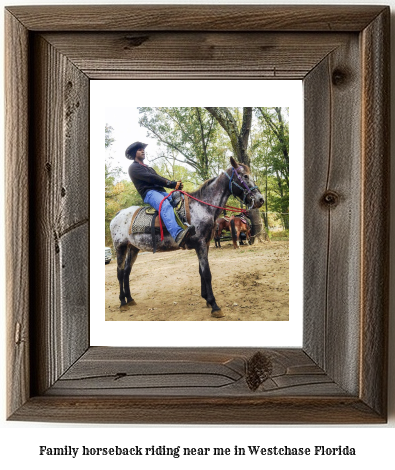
<point x="340" y="374"/>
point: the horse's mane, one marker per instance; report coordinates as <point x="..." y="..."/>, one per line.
<point x="198" y="192"/>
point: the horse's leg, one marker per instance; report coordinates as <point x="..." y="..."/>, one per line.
<point x="237" y="238"/>
<point x="249" y="237"/>
<point x="205" y="277"/>
<point x="203" y="288"/>
<point x="131" y="256"/>
<point x="121" y="257"/>
<point x="233" y="233"/>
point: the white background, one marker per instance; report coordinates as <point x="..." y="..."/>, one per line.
<point x="121" y="96"/>
<point x="19" y="442"/>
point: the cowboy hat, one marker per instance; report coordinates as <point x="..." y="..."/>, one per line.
<point x="130" y="152"/>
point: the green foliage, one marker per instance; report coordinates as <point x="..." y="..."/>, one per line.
<point x="195" y="144"/>
<point x="118" y="194"/>
<point x="279" y="235"/>
<point x="270" y="144"/>
<point x="236" y="122"/>
<point x="169" y="169"/>
<point x="108" y="139"/>
<point x="187" y="135"/>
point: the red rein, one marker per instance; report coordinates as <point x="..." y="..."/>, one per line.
<point x="226" y="208"/>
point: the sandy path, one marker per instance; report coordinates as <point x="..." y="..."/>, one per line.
<point x="251" y="283"/>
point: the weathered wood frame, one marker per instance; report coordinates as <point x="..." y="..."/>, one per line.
<point x="340" y="374"/>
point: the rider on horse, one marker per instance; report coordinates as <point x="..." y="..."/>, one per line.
<point x="151" y="186"/>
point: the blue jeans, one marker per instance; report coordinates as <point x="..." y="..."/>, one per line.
<point x="154" y="198"/>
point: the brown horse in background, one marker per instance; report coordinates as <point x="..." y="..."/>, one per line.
<point x="239" y="224"/>
<point x="236" y="225"/>
<point x="221" y="224"/>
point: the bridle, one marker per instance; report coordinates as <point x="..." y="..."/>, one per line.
<point x="246" y="190"/>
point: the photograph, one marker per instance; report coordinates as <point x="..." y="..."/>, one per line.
<point x="197" y="228"/>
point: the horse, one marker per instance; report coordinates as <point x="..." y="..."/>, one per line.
<point x="221" y="224"/>
<point x="205" y="205"/>
<point x="236" y="225"/>
<point x="239" y="225"/>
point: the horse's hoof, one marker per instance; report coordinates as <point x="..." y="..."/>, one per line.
<point x="127" y="304"/>
<point x="217" y="313"/>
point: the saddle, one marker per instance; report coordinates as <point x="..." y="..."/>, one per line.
<point x="244" y="219"/>
<point x="146" y="220"/>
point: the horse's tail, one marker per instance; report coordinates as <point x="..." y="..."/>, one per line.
<point x="233" y="229"/>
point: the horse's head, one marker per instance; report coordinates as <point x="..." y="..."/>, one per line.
<point x="242" y="185"/>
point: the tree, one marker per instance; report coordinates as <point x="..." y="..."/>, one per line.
<point x="119" y="193"/>
<point x="275" y="122"/>
<point x="108" y="139"/>
<point x="238" y="135"/>
<point x="188" y="135"/>
<point x="111" y="172"/>
<point x="169" y="169"/>
<point x="195" y="144"/>
<point x="274" y="158"/>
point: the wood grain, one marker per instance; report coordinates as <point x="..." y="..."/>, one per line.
<point x="375" y="212"/>
<point x="186" y="372"/>
<point x="144" y="385"/>
<point x="316" y="220"/>
<point x="333" y="161"/>
<point x="339" y="376"/>
<point x="17" y="201"/>
<point x="60" y="197"/>
<point x="198" y="410"/>
<point x="196" y="17"/>
<point x="196" y="55"/>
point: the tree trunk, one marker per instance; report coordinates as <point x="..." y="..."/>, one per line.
<point x="258" y="231"/>
<point x="239" y="141"/>
<point x="238" y="138"/>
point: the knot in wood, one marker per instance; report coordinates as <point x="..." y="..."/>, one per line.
<point x="330" y="198"/>
<point x="135" y="41"/>
<point x="259" y="369"/>
<point x="339" y="77"/>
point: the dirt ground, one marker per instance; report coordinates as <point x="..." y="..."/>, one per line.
<point x="249" y="284"/>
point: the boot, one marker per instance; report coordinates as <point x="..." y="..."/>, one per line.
<point x="183" y="236"/>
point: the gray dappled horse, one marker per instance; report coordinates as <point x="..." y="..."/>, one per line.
<point x="235" y="180"/>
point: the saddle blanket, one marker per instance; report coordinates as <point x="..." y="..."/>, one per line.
<point x="244" y="219"/>
<point x="144" y="217"/>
